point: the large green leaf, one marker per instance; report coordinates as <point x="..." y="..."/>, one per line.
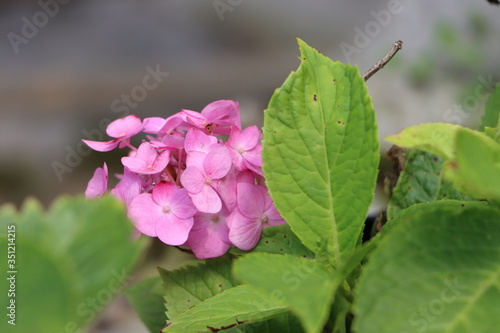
<point x="491" y="116"/>
<point x="69" y="262"/>
<point x="146" y="297"/>
<point x="421" y="181"/>
<point x="278" y="239"/>
<point x="437" y="270"/>
<point x="476" y="167"/>
<point x="186" y="287"/>
<point x="236" y="306"/>
<point x="302" y="284"/>
<point x="320" y="152"/>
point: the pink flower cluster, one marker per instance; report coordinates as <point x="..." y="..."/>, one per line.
<point x="188" y="187"/>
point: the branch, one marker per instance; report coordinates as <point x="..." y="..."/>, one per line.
<point x="380" y="64"/>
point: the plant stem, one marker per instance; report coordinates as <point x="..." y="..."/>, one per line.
<point x="381" y="63"/>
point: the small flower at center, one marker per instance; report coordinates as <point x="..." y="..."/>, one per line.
<point x="264" y="220"/>
<point x="166" y="209"/>
<point x="208" y="180"/>
<point x="240" y="150"/>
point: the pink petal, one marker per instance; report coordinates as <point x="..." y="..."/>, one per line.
<point x="147" y="160"/>
<point x="196" y="159"/>
<point x="163" y="193"/>
<point x="217" y="162"/>
<point x="223" y="113"/>
<point x="181" y="204"/>
<point x="173" y="141"/>
<point x="226" y="187"/>
<point x="206" y="243"/>
<point x="126" y="192"/>
<point x="128" y="188"/>
<point x="98" y="184"/>
<point x="254" y="156"/>
<point x="249" y="137"/>
<point x="237" y="160"/>
<point x="161" y="161"/>
<point x="246" y="177"/>
<point x="196" y="140"/>
<point x="207" y="200"/>
<point x="145" y="214"/>
<point x="125" y="127"/>
<point x="209" y="236"/>
<point x="274" y="217"/>
<point x="193" y="180"/>
<point x="251" y="200"/>
<point x="244" y="233"/>
<point x="194" y="118"/>
<point x="153" y="124"/>
<point x="170" y="125"/>
<point x="102" y="146"/>
<point x="134" y="164"/>
<point x="174" y="231"/>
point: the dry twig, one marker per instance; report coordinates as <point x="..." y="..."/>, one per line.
<point x="380" y="64"/>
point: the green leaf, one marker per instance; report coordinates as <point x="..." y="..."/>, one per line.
<point x="491" y="116"/>
<point x="407" y="213"/>
<point x="321" y="152"/>
<point x="239" y="305"/>
<point x="493" y="133"/>
<point x="278" y="239"/>
<point x="437" y="270"/>
<point x="421" y="181"/>
<point x="189" y="286"/>
<point x="146" y="297"/>
<point x="437" y="138"/>
<point x="69" y="262"/>
<point x="302" y="284"/>
<point x="476" y="167"/>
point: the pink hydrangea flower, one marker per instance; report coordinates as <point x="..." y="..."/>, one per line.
<point x="254" y="212"/>
<point x="128" y="188"/>
<point x="199" y="179"/>
<point x="147" y="160"/>
<point x="209" y="236"/>
<point x="185" y="185"/>
<point x="98" y="184"/>
<point x="122" y="129"/>
<point x="217" y="117"/>
<point x="166" y="213"/>
<point x="245" y="148"/>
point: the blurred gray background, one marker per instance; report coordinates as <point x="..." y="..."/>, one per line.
<point x="67" y="69"/>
